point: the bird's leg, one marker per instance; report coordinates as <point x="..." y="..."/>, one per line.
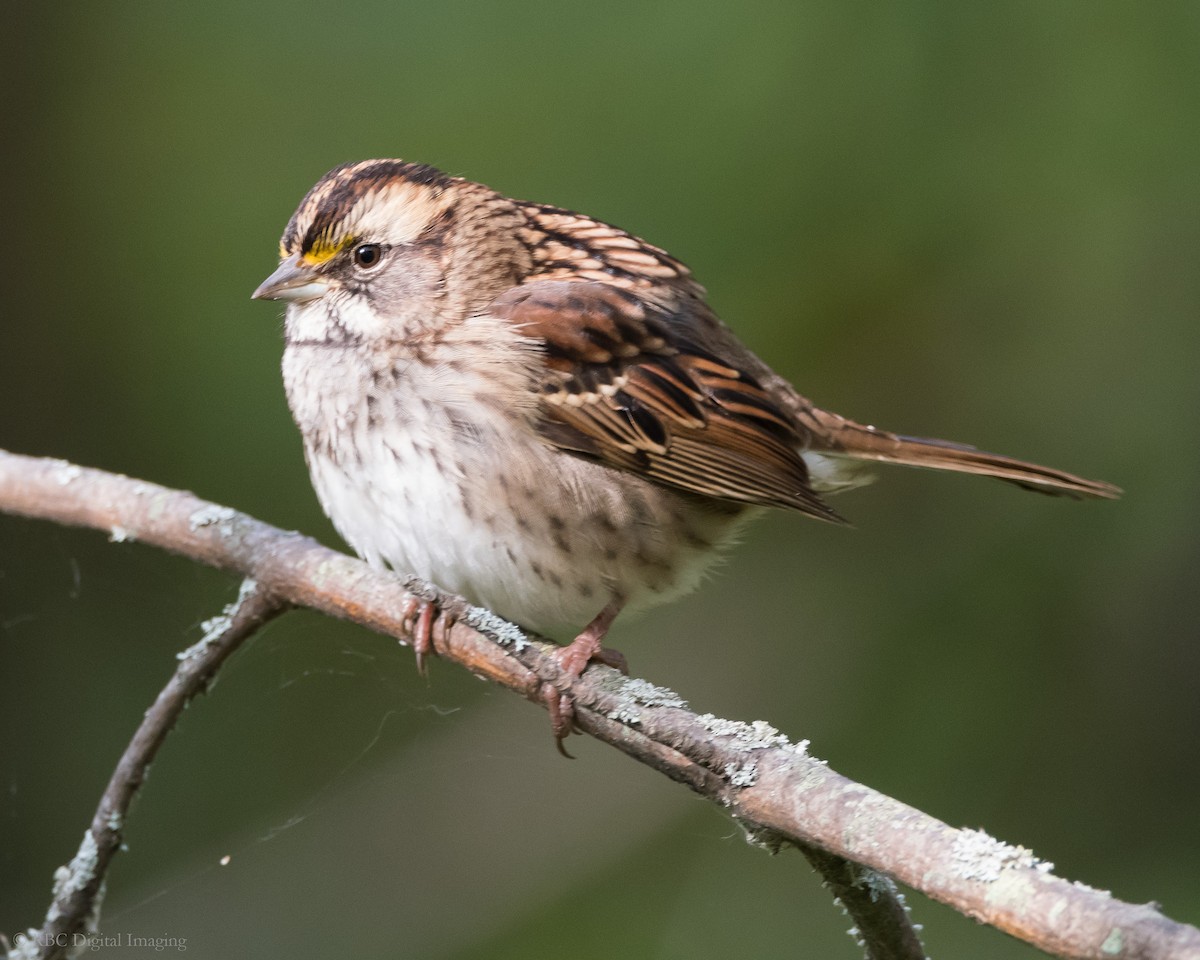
<point x="573" y="660"/>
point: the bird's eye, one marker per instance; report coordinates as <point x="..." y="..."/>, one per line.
<point x="367" y="255"/>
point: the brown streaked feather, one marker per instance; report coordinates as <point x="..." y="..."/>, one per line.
<point x="626" y="387"/>
<point x="836" y="435"/>
<point x="568" y="245"/>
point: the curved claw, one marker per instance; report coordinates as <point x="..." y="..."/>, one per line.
<point x="419" y="616"/>
<point x="562" y="716"/>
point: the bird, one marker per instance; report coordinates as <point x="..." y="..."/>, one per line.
<point x="538" y="411"/>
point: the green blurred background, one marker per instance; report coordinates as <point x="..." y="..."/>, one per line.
<point x="977" y="221"/>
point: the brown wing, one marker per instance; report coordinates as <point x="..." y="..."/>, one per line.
<point x="625" y="385"/>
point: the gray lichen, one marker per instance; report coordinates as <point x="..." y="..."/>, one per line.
<point x="978" y="856"/>
<point x="212" y="515"/>
<point x="756" y="735"/>
<point x="1114" y="943"/>
<point x="651" y="695"/>
<point x="215" y="627"/>
<point x="742" y="774"/>
<point x="76" y="875"/>
<point x="504" y="633"/>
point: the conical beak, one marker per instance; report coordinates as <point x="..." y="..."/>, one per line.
<point x="292" y="281"/>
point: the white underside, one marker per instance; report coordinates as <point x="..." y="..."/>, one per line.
<point x="466" y="495"/>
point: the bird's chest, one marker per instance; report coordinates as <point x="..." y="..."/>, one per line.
<point x="425" y="470"/>
<point x="401" y="452"/>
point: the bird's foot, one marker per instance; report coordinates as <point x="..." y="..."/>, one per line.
<point x="573" y="659"/>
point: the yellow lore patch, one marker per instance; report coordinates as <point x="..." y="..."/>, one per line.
<point x="325" y="249"/>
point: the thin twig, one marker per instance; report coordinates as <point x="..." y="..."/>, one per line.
<point x="772" y="786"/>
<point x="883" y="925"/>
<point x="79" y="885"/>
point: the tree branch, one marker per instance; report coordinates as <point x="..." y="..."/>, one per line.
<point x="771" y="785"/>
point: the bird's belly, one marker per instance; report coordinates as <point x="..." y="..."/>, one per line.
<point x="538" y="536"/>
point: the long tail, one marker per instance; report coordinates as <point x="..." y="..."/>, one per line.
<point x="840" y="437"/>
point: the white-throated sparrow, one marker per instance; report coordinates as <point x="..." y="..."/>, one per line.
<point x="539" y="411"/>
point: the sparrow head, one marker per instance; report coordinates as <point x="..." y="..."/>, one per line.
<point x="384" y="249"/>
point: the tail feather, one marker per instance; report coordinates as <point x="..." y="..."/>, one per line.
<point x="837" y="436"/>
